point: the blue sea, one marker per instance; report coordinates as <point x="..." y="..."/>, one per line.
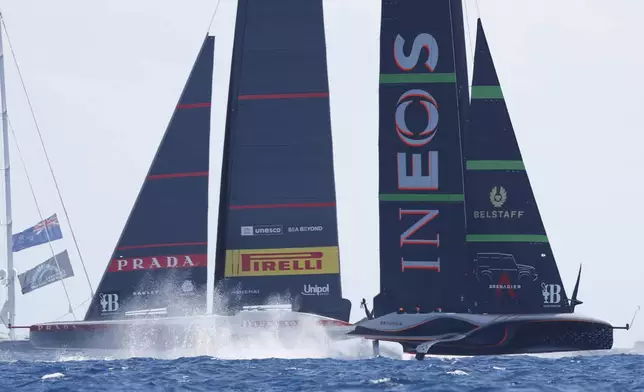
<point x="344" y="371"/>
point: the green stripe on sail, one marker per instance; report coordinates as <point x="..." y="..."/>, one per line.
<point x="418" y="78"/>
<point x="507" y="238"/>
<point x="495" y="165"/>
<point x="487" y="92"/>
<point x="421" y="197"/>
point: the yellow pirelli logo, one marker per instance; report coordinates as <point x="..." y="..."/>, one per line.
<point x="288" y="261"/>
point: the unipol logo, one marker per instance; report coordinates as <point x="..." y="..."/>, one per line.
<point x="109" y="302"/>
<point x="417" y="136"/>
<point x="157" y="262"/>
<point x="310" y="289"/>
<point x="551" y="294"/>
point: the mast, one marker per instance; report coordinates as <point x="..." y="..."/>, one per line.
<point x="6" y="221"/>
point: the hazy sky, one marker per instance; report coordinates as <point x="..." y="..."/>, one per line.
<point x="104" y="77"/>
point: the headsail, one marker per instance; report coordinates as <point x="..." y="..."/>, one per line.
<point x="513" y="268"/>
<point x="160" y="258"/>
<point x="423" y="93"/>
<point x="277" y="230"/>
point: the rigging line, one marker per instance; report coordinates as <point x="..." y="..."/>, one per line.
<point x="42" y="143"/>
<point x="77" y="306"/>
<point x="33" y="194"/>
<point x="212" y="19"/>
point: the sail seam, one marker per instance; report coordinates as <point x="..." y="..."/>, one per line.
<point x="487" y="92"/>
<point x="418" y="78"/>
<point x="177" y="175"/>
<point x="193" y="105"/>
<point x="507" y="238"/>
<point x="446" y="197"/>
<point x="495" y="165"/>
<point x="249" y="97"/>
<point x="285" y="205"/>
<point x="202" y="243"/>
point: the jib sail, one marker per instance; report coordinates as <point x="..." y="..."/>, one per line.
<point x="513" y="268"/>
<point x="423" y="97"/>
<point x="159" y="266"/>
<point x="277" y="233"/>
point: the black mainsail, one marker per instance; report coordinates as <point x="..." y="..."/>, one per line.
<point x="423" y="101"/>
<point x="277" y="232"/>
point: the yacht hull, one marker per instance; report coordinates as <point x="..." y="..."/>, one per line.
<point x="184" y="332"/>
<point x="485" y="334"/>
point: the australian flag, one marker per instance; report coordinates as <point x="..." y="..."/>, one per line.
<point x="41" y="233"/>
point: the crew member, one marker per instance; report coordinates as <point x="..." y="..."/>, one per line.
<point x="401" y="310"/>
<point x="369" y="314"/>
<point x="417" y="309"/>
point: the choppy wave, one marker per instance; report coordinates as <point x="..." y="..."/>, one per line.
<point x="264" y="365"/>
<point x="520" y="373"/>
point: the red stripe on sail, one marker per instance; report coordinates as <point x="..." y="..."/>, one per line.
<point x="163" y="245"/>
<point x="288" y="205"/>
<point x="249" y="97"/>
<point x="176" y="175"/>
<point x="193" y="105"/>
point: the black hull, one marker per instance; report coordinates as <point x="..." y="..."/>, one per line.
<point x="529" y="338"/>
<point x="466" y="334"/>
<point x="182" y="332"/>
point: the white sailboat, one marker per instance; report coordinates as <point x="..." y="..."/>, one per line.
<point x="31" y="277"/>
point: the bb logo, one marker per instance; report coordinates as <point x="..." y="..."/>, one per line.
<point x="109" y="302"/>
<point x="551" y="293"/>
<point x="290" y="261"/>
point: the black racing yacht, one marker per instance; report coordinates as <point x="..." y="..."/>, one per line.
<point x="465" y="263"/>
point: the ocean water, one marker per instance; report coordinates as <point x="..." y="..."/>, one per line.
<point x="348" y="366"/>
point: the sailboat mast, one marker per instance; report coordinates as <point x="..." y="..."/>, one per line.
<point x="6" y="221"/>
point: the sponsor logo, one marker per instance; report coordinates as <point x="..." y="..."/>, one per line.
<point x="418" y="53"/>
<point x="289" y="261"/>
<point x="397" y="323"/>
<point x="315" y="290"/>
<point x="245" y="292"/>
<point x="157" y="262"/>
<point x="146" y="292"/>
<point x="109" y="302"/>
<point x="187" y="286"/>
<point x="59" y="327"/>
<point x="551" y="295"/>
<point x="505" y="286"/>
<point x="305" y="229"/>
<point x="269" y="323"/>
<point x="498" y="196"/>
<point x="261" y="230"/>
<point x="505" y="283"/>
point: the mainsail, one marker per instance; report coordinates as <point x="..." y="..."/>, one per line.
<point x="423" y="97"/>
<point x="277" y="233"/>
<point x="514" y="270"/>
<point x="160" y="259"/>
